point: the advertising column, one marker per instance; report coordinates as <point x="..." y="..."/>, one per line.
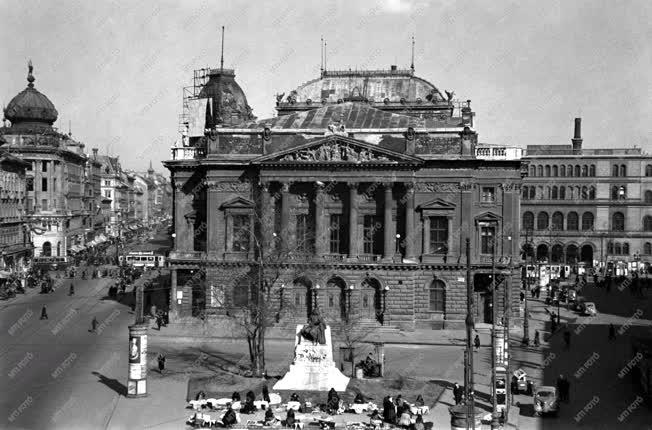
<point x="137" y="381"/>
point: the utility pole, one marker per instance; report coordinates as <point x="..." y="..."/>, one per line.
<point x="526" y="321"/>
<point x="468" y="370"/>
<point x="495" y="423"/>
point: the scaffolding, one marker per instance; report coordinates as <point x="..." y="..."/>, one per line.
<point x="199" y="80"/>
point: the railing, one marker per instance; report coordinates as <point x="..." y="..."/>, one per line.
<point x="334" y="257"/>
<point x="188" y="153"/>
<point x="186" y="255"/>
<point x="369" y="257"/>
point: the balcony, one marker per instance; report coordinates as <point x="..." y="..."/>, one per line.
<point x="186" y="255"/>
<point x="188" y="153"/>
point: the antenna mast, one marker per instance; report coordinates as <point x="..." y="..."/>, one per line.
<point x="222" y="56"/>
<point x="412" y="65"/>
<point x="325" y="45"/>
<point x="321" y="57"/>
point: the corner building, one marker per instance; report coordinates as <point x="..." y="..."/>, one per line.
<point x="361" y="193"/>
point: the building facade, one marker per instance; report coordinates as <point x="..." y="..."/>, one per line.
<point x="57" y="208"/>
<point x="590" y="206"/>
<point x="15" y="247"/>
<point x="362" y="192"/>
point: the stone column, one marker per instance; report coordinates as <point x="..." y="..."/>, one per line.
<point x="320" y="221"/>
<point x="285" y="215"/>
<point x="267" y="218"/>
<point x="173" y="294"/>
<point x="229" y="233"/>
<point x="353" y="220"/>
<point x="410" y="239"/>
<point x="389" y="243"/>
<point x="212" y="220"/>
<point x="426" y="235"/>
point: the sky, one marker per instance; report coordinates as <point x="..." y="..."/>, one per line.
<point x="115" y="69"/>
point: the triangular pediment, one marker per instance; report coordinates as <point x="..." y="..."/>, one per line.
<point x="338" y="149"/>
<point x="488" y="217"/>
<point x="237" y="203"/>
<point x="436" y="204"/>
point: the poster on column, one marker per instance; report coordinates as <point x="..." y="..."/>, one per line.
<point x="138" y="357"/>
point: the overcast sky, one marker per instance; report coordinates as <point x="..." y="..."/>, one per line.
<point x="116" y="69"/>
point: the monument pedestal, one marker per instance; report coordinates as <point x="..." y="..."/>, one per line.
<point x="313" y="368"/>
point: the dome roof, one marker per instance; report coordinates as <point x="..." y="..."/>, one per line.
<point x="229" y="105"/>
<point x="30" y="106"/>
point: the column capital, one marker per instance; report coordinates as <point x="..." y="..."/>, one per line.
<point x="387" y="185"/>
<point x="285" y="186"/>
<point x="410" y="186"/>
<point x="319" y="186"/>
<point x="353" y="185"/>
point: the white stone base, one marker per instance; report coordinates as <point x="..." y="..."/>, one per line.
<point x="313" y="368"/>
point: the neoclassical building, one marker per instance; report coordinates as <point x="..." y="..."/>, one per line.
<point x="591" y="206"/>
<point x="361" y="193"/>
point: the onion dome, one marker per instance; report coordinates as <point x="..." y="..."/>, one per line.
<point x="229" y="103"/>
<point x="30" y="107"/>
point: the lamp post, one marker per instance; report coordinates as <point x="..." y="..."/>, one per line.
<point x="526" y="320"/>
<point x="468" y="368"/>
<point x="495" y="423"/>
<point x="382" y="316"/>
<point x="349" y="292"/>
<point x="315" y="297"/>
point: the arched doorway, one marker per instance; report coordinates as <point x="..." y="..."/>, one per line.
<point x="47" y="250"/>
<point x="333" y="305"/>
<point x="572" y="254"/>
<point x="58" y="249"/>
<point x="557" y="254"/>
<point x="371" y="300"/>
<point x="587" y="254"/>
<point x="527" y="252"/>
<point x="542" y="252"/>
<point x="302" y="297"/>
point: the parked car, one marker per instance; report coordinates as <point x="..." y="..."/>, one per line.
<point x="590" y="309"/>
<point x="546" y="400"/>
<point x="579" y="304"/>
<point x="572" y="295"/>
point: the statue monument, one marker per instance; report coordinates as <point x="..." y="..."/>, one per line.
<point x="313" y="367"/>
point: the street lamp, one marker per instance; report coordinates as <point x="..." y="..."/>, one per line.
<point x="398" y="243"/>
<point x="315" y="291"/>
<point x="349" y="292"/>
<point x="526" y="321"/>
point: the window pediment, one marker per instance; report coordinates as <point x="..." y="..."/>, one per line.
<point x="237" y="203"/>
<point x="435" y="206"/>
<point x="488" y="218"/>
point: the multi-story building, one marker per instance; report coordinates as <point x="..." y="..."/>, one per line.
<point x="56" y="212"/>
<point x="364" y="189"/>
<point x="15" y="247"/>
<point x="591" y="206"/>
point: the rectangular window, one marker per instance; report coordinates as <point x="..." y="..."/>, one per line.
<point x="44" y="184"/>
<point x="44" y="205"/>
<point x="107" y="193"/>
<point x="30" y="184"/>
<point x="487" y="239"/>
<point x="304" y="236"/>
<point x="335" y="233"/>
<point x="438" y="235"/>
<point x="241" y="232"/>
<point x="371" y="227"/>
<point x="30" y="205"/>
<point x="437" y="299"/>
<point x="44" y="166"/>
<point x="488" y="195"/>
<point x="54" y="185"/>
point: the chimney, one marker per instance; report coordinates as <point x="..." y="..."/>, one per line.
<point x="94" y="153"/>
<point x="577" y="136"/>
<point x="392" y="67"/>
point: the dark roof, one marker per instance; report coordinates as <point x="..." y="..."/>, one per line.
<point x="30" y="105"/>
<point x="352" y="115"/>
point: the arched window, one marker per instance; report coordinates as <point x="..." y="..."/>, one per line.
<point x="592" y="193"/>
<point x="585" y="170"/>
<point x="47" y="249"/>
<point x="562" y="193"/>
<point x="610" y="247"/>
<point x="569" y="170"/>
<point x="647" y="248"/>
<point x="585" y="193"/>
<point x="528" y="221"/>
<point x="572" y="221"/>
<point x="557" y="254"/>
<point x="557" y="221"/>
<point x="525" y="193"/>
<point x="562" y="170"/>
<point x="532" y="193"/>
<point x="648" y="196"/>
<point x="618" y="221"/>
<point x="625" y="248"/>
<point x="547" y="170"/>
<point x="647" y="223"/>
<point x="587" y="221"/>
<point x="614" y="170"/>
<point x="555" y="193"/>
<point x="592" y="170"/>
<point x="577" y="171"/>
<point x="571" y="194"/>
<point x="578" y="193"/>
<point x="614" y="193"/>
<point x="437" y="296"/>
<point x="542" y="221"/>
<point x="533" y="170"/>
<point x="623" y="170"/>
<point x="555" y="171"/>
<point x="648" y="170"/>
<point x="617" y="249"/>
<point x="548" y="193"/>
<point x="540" y="192"/>
<point x="539" y="170"/>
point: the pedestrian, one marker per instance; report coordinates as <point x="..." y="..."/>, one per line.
<point x="522" y="296"/>
<point x="612" y="332"/>
<point x="161" y="362"/>
<point x="536" y="338"/>
<point x="159" y="322"/>
<point x="72" y="290"/>
<point x="567" y="338"/>
<point x="533" y="292"/>
<point x="538" y="292"/>
<point x="44" y="313"/>
<point x="457" y="393"/>
<point x="476" y="342"/>
<point x="94" y="325"/>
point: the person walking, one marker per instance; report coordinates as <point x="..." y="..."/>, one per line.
<point x="44" y="313"/>
<point x="536" y="338"/>
<point x="567" y="338"/>
<point x="457" y="393"/>
<point x="159" y="322"/>
<point x="161" y="362"/>
<point x="94" y="325"/>
<point x="72" y="290"/>
<point x="612" y="332"/>
<point x="476" y="342"/>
